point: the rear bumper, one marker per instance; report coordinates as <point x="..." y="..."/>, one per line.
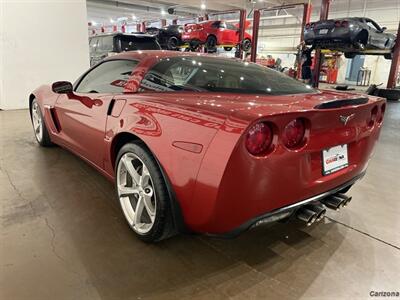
<point x="286" y="211"/>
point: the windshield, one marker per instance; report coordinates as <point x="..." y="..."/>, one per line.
<point x="213" y="74"/>
<point x="131" y="43"/>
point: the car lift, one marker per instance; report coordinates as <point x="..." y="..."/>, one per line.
<point x="395" y="65"/>
<point x="307" y="8"/>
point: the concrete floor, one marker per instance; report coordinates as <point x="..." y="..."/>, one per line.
<point x="63" y="237"/>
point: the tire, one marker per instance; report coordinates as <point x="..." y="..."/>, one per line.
<point x="193" y="46"/>
<point x="246" y="45"/>
<point x="172" y="43"/>
<point x="227" y="48"/>
<point x="211" y="44"/>
<point x="388" y="56"/>
<point x="349" y="55"/>
<point x="39" y="126"/>
<point x="155" y="221"/>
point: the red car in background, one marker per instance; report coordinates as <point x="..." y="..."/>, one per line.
<point x="215" y="33"/>
<point x="208" y="144"/>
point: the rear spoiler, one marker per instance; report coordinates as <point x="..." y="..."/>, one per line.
<point x="342" y="103"/>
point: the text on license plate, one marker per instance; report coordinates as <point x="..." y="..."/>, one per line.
<point x="323" y="31"/>
<point x="334" y="159"/>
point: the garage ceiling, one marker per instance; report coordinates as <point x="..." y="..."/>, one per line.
<point x="101" y="11"/>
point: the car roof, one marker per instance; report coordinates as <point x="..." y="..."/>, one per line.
<point x="142" y="54"/>
<point x="121" y="34"/>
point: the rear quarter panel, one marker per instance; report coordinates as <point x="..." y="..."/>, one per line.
<point x="163" y="124"/>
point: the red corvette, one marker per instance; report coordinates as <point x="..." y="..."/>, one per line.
<point x="214" y="33"/>
<point x="207" y="144"/>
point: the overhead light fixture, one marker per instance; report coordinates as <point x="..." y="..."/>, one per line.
<point x="163" y="12"/>
<point x="203" y="6"/>
<point x="93" y="23"/>
<point x="111" y="20"/>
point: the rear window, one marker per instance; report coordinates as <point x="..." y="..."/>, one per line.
<point x="209" y="74"/>
<point x="131" y="43"/>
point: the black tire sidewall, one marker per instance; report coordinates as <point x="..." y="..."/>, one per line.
<point x="162" y="217"/>
<point x="172" y="40"/>
<point x="209" y="39"/>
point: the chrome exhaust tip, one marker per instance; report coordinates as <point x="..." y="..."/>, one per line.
<point x="347" y="199"/>
<point x="306" y="215"/>
<point x="318" y="209"/>
<point x="333" y="202"/>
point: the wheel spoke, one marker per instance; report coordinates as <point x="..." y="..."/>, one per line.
<point x="149" y="207"/>
<point x="138" y="211"/>
<point x="131" y="170"/>
<point x="144" y="179"/>
<point x="127" y="190"/>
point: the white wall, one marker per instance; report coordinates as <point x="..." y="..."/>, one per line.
<point x="41" y="41"/>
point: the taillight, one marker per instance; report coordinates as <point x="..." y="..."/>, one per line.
<point x="345" y="24"/>
<point x="337" y="23"/>
<point x="293" y="134"/>
<point x="383" y="109"/>
<point x="374" y="114"/>
<point x="259" y="139"/>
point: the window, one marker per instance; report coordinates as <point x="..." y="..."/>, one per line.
<point x="194" y="73"/>
<point x="106" y="44"/>
<point x="93" y="44"/>
<point x="216" y="24"/>
<point x="109" y="77"/>
<point x="372" y="24"/>
<point x="231" y="26"/>
<point x="131" y="43"/>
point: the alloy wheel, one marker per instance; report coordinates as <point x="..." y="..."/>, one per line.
<point x="136" y="193"/>
<point x="37" y="121"/>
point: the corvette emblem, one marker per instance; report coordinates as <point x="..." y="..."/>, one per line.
<point x="346" y="119"/>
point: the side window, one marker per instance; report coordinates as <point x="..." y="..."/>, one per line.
<point x="372" y="24"/>
<point x="231" y="26"/>
<point x="109" y="77"/>
<point x="164" y="77"/>
<point x="107" y="44"/>
<point x="216" y="24"/>
<point x="93" y="44"/>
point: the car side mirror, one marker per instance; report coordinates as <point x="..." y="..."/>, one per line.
<point x="62" y="87"/>
<point x="383" y="29"/>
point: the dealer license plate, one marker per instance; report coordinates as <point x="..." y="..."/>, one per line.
<point x="334" y="159"/>
<point x="323" y="31"/>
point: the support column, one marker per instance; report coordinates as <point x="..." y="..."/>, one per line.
<point x="254" y="42"/>
<point x="242" y="24"/>
<point x="318" y="56"/>
<point x="163" y="22"/>
<point x="306" y="19"/>
<point x="175" y="21"/>
<point x="395" y="66"/>
<point x="143" y="27"/>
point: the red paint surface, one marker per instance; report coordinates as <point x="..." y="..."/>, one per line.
<point x="222" y="186"/>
